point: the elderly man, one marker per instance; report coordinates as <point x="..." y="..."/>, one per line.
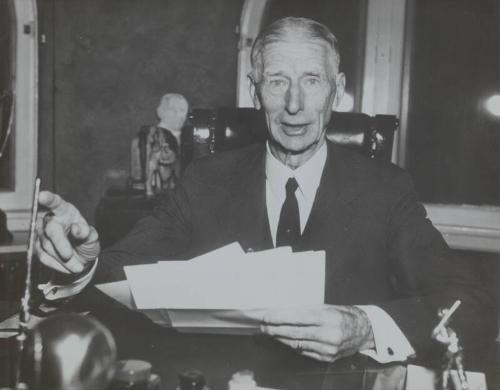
<point x="388" y="269"/>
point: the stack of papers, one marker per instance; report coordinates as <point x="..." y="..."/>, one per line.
<point x="226" y="290"/>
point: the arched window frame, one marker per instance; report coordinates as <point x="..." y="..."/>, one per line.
<point x="385" y="90"/>
<point x="17" y="203"/>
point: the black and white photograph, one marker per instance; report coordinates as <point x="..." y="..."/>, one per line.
<point x="249" y="194"/>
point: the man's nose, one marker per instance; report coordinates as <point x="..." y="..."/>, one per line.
<point x="294" y="99"/>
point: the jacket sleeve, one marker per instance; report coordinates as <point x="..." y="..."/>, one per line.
<point x="427" y="276"/>
<point x="164" y="234"/>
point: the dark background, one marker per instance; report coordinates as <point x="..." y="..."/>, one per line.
<point x="106" y="63"/>
<point x="104" y="67"/>
<point x="454" y="143"/>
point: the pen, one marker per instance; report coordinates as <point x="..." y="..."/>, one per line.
<point x="24" y="314"/>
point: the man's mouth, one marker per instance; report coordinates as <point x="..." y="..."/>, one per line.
<point x="293" y="128"/>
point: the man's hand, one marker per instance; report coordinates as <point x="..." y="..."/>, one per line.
<point x="325" y="333"/>
<point x="65" y="241"/>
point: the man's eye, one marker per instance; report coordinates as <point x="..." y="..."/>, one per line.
<point x="312" y="81"/>
<point x="275" y="83"/>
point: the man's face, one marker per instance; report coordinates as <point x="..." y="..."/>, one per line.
<point x="297" y="91"/>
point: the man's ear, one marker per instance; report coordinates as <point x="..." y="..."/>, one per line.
<point x="340" y="89"/>
<point x="252" y="88"/>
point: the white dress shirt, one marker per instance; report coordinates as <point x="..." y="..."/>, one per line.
<point x="54" y="292"/>
<point x="390" y="342"/>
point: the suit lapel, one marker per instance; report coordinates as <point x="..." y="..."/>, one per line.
<point x="246" y="213"/>
<point x="329" y="226"/>
<point x="331" y="215"/>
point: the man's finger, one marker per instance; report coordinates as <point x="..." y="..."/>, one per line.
<point x="76" y="264"/>
<point x="322" y="334"/>
<point x="312" y="355"/>
<point x="48" y="248"/>
<point x="321" y="358"/>
<point x="48" y="260"/>
<point x="52" y="201"/>
<point x="80" y="231"/>
<point x="54" y="231"/>
<point x="311" y="346"/>
<point x="291" y="332"/>
<point x="48" y="256"/>
<point x="89" y="249"/>
<point x="59" y="208"/>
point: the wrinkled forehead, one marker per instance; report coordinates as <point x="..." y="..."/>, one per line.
<point x="300" y="54"/>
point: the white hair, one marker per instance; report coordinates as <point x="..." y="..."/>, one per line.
<point x="292" y="28"/>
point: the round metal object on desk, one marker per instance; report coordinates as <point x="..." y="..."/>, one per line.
<point x="134" y="375"/>
<point x="133" y="371"/>
<point x="68" y="352"/>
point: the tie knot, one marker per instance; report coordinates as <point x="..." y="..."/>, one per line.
<point x="291" y="186"/>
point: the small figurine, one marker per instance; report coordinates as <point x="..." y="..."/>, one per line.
<point x="454" y="351"/>
<point x="162" y="169"/>
<point x="155" y="152"/>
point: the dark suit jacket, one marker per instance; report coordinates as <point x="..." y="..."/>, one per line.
<point x="380" y="247"/>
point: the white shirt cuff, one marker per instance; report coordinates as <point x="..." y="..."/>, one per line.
<point x="391" y="345"/>
<point x="53" y="292"/>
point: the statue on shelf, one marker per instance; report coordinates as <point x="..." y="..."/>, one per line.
<point x="155" y="152"/>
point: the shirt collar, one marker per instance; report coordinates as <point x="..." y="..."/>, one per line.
<point x="307" y="175"/>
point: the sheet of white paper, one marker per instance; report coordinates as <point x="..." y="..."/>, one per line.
<point x="226" y="290"/>
<point x="177" y="284"/>
<point x="199" y="321"/>
<point x="283" y="279"/>
<point x="221" y="255"/>
<point x="217" y="321"/>
<point x="119" y="291"/>
<point x="150" y="286"/>
<point x="273" y="278"/>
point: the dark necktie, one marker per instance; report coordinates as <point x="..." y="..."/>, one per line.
<point x="288" y="232"/>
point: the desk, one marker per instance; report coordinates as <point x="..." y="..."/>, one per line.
<point x="219" y="356"/>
